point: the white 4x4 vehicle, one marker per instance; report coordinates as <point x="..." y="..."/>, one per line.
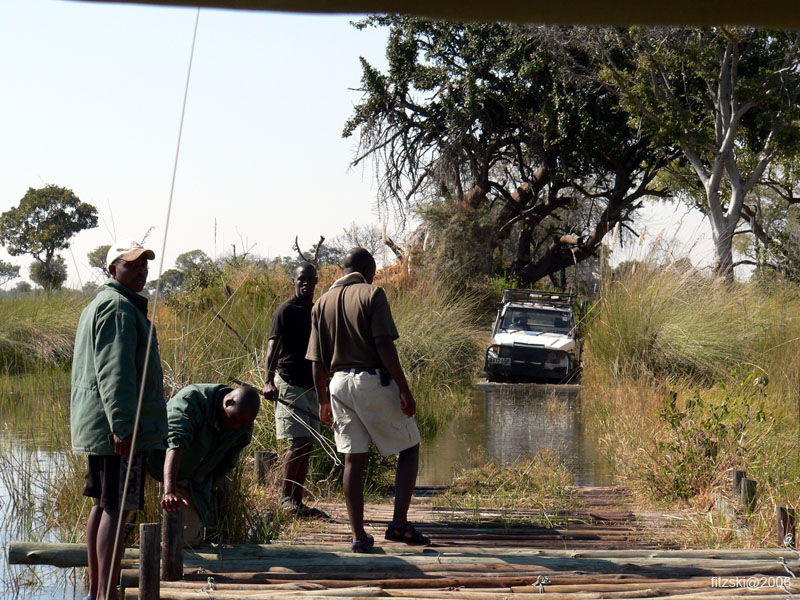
<point x="534" y="338"/>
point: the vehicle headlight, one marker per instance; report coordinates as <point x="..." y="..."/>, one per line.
<point x="493" y="351"/>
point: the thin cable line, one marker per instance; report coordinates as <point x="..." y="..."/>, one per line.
<point x="151" y="333"/>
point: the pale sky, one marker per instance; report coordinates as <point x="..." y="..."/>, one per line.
<point x="91" y="101"/>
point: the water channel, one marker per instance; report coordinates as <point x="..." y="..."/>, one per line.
<point x="504" y="423"/>
<point x="511" y="422"/>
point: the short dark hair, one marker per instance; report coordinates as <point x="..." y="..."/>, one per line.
<point x="360" y="260"/>
<point x="248" y="401"/>
<point x="305" y="265"/>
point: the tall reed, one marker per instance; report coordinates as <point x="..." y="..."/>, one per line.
<point x="38" y="330"/>
<point x="686" y="378"/>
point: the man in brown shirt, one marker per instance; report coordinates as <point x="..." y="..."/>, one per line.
<point x="352" y="337"/>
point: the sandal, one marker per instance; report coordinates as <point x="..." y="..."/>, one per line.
<point x="407" y="534"/>
<point x="308" y="512"/>
<point x="302" y="510"/>
<point x="363" y="546"/>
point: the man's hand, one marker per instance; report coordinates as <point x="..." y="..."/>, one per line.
<point x="270" y="391"/>
<point x="172" y="501"/>
<point x="122" y="447"/>
<point x="325" y="413"/>
<point x="407" y="403"/>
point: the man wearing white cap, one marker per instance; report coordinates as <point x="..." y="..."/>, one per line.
<point x="108" y="371"/>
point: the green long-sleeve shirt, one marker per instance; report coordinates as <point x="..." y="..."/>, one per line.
<point x="208" y="452"/>
<point x="107" y="370"/>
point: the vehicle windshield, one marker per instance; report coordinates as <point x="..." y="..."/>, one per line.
<point x="533" y="319"/>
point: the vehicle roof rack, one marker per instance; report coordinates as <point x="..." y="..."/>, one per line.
<point x="539" y="297"/>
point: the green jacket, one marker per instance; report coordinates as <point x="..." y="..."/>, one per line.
<point x="208" y="452"/>
<point x="107" y="367"/>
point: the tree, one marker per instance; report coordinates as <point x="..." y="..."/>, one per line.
<point x="23" y="287"/>
<point x="170" y="282"/>
<point x="7" y="272"/>
<point x="43" y="223"/>
<point x="52" y="277"/>
<point x="192" y="261"/>
<point x="478" y="122"/>
<point x="97" y="259"/>
<point x="725" y="97"/>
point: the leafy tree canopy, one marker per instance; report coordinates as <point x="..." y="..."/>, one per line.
<point x="194" y="260"/>
<point x="42" y="224"/>
<point x="726" y="98"/>
<point x="481" y="122"/>
<point x="23" y="287"/>
<point x="8" y="272"/>
<point x="50" y="277"/>
<point x="97" y="259"/>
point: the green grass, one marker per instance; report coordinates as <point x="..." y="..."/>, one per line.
<point x="38" y="330"/>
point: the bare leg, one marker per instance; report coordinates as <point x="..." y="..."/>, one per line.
<point x="109" y="563"/>
<point x="353" y="481"/>
<point x="295" y="469"/>
<point x="91" y="545"/>
<point x="404" y="480"/>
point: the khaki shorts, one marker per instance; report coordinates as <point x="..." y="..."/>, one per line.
<point x="289" y="424"/>
<point x="193" y="528"/>
<point x="364" y="410"/>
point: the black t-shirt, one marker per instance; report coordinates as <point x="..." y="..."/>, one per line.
<point x="291" y="322"/>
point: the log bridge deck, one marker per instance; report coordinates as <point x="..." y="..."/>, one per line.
<point x="601" y="550"/>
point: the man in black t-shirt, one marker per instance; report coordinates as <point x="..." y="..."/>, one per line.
<point x="289" y="381"/>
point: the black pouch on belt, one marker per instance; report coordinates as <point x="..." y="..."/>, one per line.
<point x="386" y="378"/>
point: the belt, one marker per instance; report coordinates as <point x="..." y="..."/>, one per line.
<point x="357" y="371"/>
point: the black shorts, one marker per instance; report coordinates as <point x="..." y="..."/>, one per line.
<point x="105" y="481"/>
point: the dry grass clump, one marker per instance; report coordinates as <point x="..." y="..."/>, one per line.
<point x="664" y="321"/>
<point x="532" y="490"/>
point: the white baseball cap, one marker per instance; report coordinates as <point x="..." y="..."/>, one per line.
<point x="128" y="250"/>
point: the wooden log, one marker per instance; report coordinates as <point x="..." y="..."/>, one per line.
<point x="172" y="545"/>
<point x="736" y="479"/>
<point x="59" y="555"/>
<point x="205" y="593"/>
<point x="264" y="462"/>
<point x="284" y="552"/>
<point x="149" y="552"/>
<point x="784" y="515"/>
<point x="749" y="494"/>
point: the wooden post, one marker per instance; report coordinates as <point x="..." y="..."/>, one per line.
<point x="786" y="526"/>
<point x="738" y="476"/>
<point x="172" y="545"/>
<point x="149" y="537"/>
<point x="749" y="493"/>
<point x="264" y="462"/>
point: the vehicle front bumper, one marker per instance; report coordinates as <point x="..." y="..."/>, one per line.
<point x="522" y="360"/>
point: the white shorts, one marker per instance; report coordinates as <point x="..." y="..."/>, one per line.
<point x="364" y="410"/>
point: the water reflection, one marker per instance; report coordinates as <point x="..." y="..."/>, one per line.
<point x="33" y="412"/>
<point x="26" y="473"/>
<point x="508" y="422"/>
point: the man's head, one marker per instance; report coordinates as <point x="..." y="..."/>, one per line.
<point x="238" y="408"/>
<point x="359" y="260"/>
<point x="305" y="281"/>
<point x="127" y="263"/>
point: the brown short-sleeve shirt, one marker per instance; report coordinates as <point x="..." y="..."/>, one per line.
<point x="344" y="324"/>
